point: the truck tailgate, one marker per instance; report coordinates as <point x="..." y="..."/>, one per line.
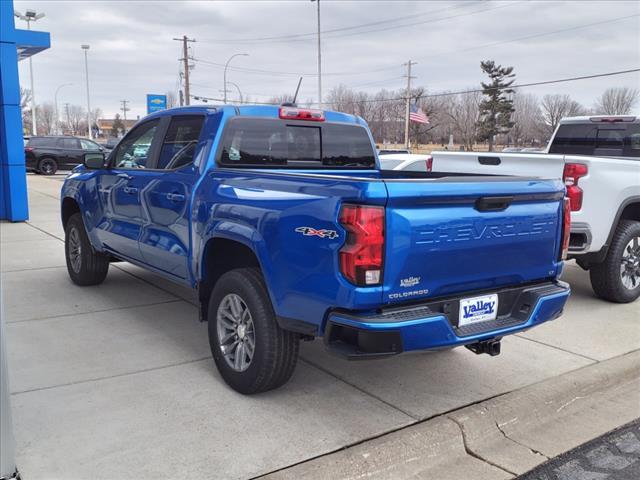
<point x="464" y="234"/>
<point x="497" y="163"/>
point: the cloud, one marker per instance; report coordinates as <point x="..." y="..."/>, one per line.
<point x="133" y="52"/>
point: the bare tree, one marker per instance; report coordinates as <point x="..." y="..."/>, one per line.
<point x="617" y="101"/>
<point x="46" y="118"/>
<point x="280" y="99"/>
<point x="25" y="100"/>
<point x="77" y="119"/>
<point x="555" y="107"/>
<point x="527" y="119"/>
<point x="464" y="111"/>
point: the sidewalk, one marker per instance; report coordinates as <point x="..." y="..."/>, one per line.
<point x="117" y="380"/>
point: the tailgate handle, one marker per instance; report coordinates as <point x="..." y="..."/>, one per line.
<point x="489" y="160"/>
<point x="493" y="204"/>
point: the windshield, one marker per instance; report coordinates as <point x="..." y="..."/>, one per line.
<point x="272" y="142"/>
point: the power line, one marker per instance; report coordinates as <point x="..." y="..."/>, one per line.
<point x="528" y="37"/>
<point x="311" y="35"/>
<point x="445" y="94"/>
<point x="422" y="22"/>
<point x="536" y="35"/>
<point x="520" y="85"/>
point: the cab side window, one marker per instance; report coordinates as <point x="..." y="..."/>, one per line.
<point x="68" y="143"/>
<point x="134" y="150"/>
<point x="89" y="145"/>
<point x="179" y="145"/>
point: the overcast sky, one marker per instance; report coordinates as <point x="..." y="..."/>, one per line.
<point x="132" y="52"/>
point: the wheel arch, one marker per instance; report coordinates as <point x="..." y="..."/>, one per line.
<point x="222" y="254"/>
<point x="68" y="207"/>
<point x="628" y="210"/>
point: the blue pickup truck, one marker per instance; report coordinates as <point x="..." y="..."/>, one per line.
<point x="283" y="222"/>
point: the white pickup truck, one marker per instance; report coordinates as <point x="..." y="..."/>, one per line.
<point x="598" y="158"/>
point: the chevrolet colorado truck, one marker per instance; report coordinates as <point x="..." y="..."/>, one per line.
<point x="598" y="158"/>
<point x="283" y="222"/>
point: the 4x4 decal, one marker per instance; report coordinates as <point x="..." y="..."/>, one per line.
<point x="312" y="232"/>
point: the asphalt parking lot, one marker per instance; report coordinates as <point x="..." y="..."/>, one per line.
<point x="117" y="380"/>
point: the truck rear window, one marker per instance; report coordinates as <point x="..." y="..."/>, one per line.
<point x="613" y="140"/>
<point x="251" y="142"/>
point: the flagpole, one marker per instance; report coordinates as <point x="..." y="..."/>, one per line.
<point x="408" y="100"/>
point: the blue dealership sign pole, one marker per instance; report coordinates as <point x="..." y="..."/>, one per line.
<point x="15" y="44"/>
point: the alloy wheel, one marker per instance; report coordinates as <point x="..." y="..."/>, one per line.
<point x="630" y="264"/>
<point x="236" y="332"/>
<point x="75" y="249"/>
<point x="47" y="167"/>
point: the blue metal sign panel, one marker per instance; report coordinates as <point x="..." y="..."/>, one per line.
<point x="156" y="103"/>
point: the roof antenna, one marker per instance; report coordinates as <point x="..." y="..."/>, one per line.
<point x="295" y="96"/>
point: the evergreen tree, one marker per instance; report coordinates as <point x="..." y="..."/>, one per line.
<point x="117" y="126"/>
<point x="497" y="107"/>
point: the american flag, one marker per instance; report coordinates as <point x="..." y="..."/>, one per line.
<point x="417" y="115"/>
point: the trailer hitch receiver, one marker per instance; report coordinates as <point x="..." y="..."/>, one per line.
<point x="491" y="347"/>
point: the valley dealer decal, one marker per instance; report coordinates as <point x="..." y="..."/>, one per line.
<point x="407" y="283"/>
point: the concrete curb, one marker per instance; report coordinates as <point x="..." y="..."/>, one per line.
<point x="498" y="438"/>
<point x="523" y="429"/>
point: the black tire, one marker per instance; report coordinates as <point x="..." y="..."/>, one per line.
<point x="47" y="166"/>
<point x="607" y="278"/>
<point x="275" y="352"/>
<point x="84" y="264"/>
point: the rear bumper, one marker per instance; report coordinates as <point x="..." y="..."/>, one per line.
<point x="434" y="325"/>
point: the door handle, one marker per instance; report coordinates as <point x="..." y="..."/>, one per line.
<point x="175" y="197"/>
<point x="130" y="190"/>
<point x="126" y="176"/>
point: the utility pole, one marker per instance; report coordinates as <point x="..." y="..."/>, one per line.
<point x="124" y="109"/>
<point x="185" y="58"/>
<point x="319" y="59"/>
<point x="408" y="101"/>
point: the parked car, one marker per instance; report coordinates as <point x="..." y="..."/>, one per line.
<point x="47" y="154"/>
<point x="391" y="151"/>
<point x="598" y="158"/>
<point x="282" y="221"/>
<point x="406" y="161"/>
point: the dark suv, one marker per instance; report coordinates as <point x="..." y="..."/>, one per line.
<point x="47" y="154"/>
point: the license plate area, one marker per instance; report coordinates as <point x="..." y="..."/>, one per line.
<point x="482" y="308"/>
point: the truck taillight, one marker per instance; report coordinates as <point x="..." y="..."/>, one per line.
<point x="566" y="228"/>
<point x="361" y="255"/>
<point x="573" y="172"/>
<point x="28" y="149"/>
<point x="429" y="163"/>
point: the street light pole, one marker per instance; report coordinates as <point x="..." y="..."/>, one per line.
<point x="86" y="74"/>
<point x="225" y="71"/>
<point x="55" y="101"/>
<point x="31" y="16"/>
<point x="319" y="59"/>
<point x="238" y="89"/>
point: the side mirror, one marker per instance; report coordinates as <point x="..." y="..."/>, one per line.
<point x="94" y="161"/>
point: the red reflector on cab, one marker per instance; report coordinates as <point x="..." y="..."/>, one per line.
<point x="292" y="113"/>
